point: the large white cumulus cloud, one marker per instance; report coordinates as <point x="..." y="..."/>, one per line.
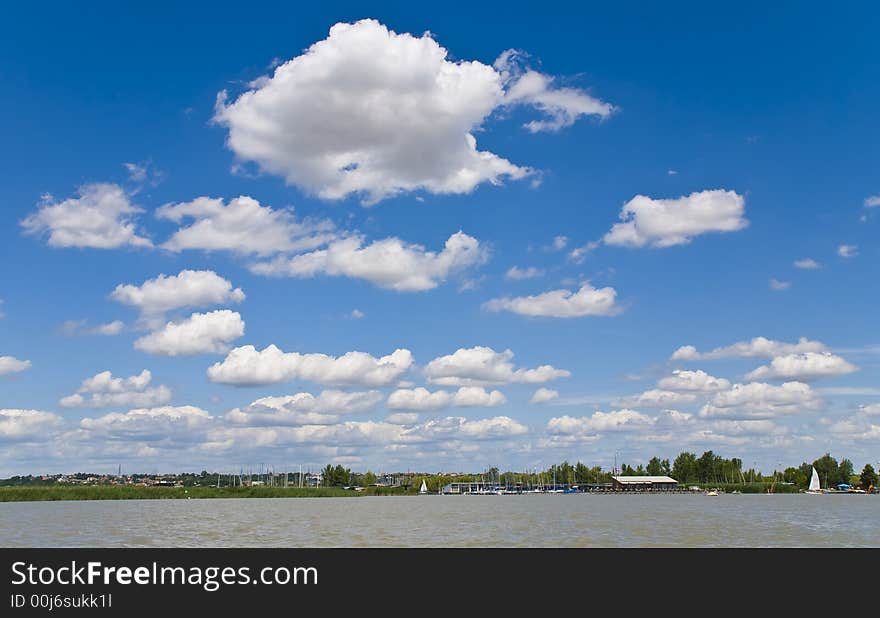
<point x="372" y="112"/>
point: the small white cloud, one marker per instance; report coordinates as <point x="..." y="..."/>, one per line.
<point x="72" y="328"/>
<point x="805" y="366"/>
<point x="872" y="201"/>
<point x="807" y="264"/>
<point x="559" y="243"/>
<point x="518" y="274"/>
<point x="142" y="173"/>
<point x="561" y="106"/>
<point x="776" y="284"/>
<point x="587" y="301"/>
<point x="356" y="314"/>
<point x="100" y="217"/>
<point x="482" y="365"/>
<point x="136" y="173"/>
<point x="847" y="251"/>
<point x="668" y="222"/>
<point x="543" y="395"/>
<point x="579" y="254"/>
<point x="201" y="333"/>
<point x="10" y="364"/>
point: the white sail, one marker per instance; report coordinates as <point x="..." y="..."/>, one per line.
<point x="814" y="481"/>
<point x="424" y="488"/>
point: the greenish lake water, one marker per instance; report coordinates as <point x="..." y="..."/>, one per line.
<point x="451" y="521"/>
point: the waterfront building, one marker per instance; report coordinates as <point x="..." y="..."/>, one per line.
<point x="644" y="483"/>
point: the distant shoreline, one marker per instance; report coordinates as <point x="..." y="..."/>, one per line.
<point x="52" y="493"/>
<point x="123" y="492"/>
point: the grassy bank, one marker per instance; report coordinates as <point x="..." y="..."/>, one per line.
<point x="125" y="492"/>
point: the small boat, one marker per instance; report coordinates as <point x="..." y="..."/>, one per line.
<point x="712" y="492"/>
<point x="424" y="488"/>
<point x="815" y="487"/>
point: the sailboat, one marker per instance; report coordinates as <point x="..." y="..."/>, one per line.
<point x="815" y="488"/>
<point x="424" y="488"/>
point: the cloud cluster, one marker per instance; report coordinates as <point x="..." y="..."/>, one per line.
<point x="482" y="365"/>
<point x="422" y="400"/>
<point x="154" y="424"/>
<point x="246" y="366"/>
<point x="100" y="217"/>
<point x="693" y="381"/>
<point x="761" y="400"/>
<point x="26" y="425"/>
<point x="759" y="347"/>
<point x="390" y="263"/>
<point x="616" y="420"/>
<point x="103" y="390"/>
<point x="304" y="408"/>
<point x="658" y="398"/>
<point x="243" y="226"/>
<point x="805" y="366"/>
<point x="360" y="434"/>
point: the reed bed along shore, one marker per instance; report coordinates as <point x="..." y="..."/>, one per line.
<point x="125" y="492"/>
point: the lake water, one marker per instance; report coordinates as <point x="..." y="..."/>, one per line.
<point x="451" y="521"/>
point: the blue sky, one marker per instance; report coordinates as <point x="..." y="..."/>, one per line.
<point x="749" y="132"/>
